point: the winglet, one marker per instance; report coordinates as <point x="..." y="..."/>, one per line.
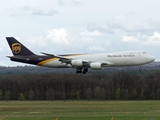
<point x="48" y="54"/>
<point x="53" y="55"/>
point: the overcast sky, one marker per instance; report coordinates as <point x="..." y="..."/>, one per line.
<point x="80" y="26"/>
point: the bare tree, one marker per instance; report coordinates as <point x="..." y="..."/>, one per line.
<point x="31" y="95"/>
<point x="7" y="95"/>
<point x="50" y="94"/>
<point x="89" y="94"/>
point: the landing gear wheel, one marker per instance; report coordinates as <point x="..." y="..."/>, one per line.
<point x="85" y="70"/>
<point x="79" y="71"/>
<point x="140" y="70"/>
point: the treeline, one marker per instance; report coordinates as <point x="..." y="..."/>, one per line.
<point x="41" y="70"/>
<point x="102" y="86"/>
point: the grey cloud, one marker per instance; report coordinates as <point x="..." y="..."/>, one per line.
<point x="16" y="12"/>
<point x="131" y="28"/>
<point x="60" y="2"/>
<point x="26" y="8"/>
<point x="145" y="27"/>
<point x="32" y="11"/>
<point x="77" y="3"/>
<point x="105" y="30"/>
<point x="153" y="40"/>
<point x="40" y="12"/>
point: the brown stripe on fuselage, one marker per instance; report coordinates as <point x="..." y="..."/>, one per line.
<point x="46" y="61"/>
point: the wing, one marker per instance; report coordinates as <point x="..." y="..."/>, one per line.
<point x="65" y="59"/>
<point x="86" y="63"/>
<point x="61" y="58"/>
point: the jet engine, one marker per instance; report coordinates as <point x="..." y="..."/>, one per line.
<point x="96" y="66"/>
<point x="77" y="63"/>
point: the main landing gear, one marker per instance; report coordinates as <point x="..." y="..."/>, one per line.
<point x="85" y="70"/>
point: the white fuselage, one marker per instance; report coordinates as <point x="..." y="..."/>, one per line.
<point x="111" y="59"/>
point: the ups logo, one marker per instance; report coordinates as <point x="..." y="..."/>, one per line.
<point x="16" y="48"/>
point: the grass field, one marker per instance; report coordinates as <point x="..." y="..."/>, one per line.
<point x="80" y="110"/>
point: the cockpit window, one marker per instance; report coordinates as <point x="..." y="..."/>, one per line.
<point x="144" y="52"/>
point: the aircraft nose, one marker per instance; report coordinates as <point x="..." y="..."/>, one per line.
<point x="151" y="58"/>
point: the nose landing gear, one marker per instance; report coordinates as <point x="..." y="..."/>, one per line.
<point x="140" y="69"/>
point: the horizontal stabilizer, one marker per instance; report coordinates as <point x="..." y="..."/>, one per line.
<point x="18" y="58"/>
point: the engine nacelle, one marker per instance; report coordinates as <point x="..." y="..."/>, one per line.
<point x="77" y="63"/>
<point x="96" y="66"/>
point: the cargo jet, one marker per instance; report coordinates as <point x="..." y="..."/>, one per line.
<point x="81" y="62"/>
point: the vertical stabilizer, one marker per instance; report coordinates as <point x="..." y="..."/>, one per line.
<point x="17" y="48"/>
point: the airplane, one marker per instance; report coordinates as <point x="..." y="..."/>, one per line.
<point x="81" y="62"/>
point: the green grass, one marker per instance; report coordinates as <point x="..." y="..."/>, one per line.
<point x="80" y="110"/>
